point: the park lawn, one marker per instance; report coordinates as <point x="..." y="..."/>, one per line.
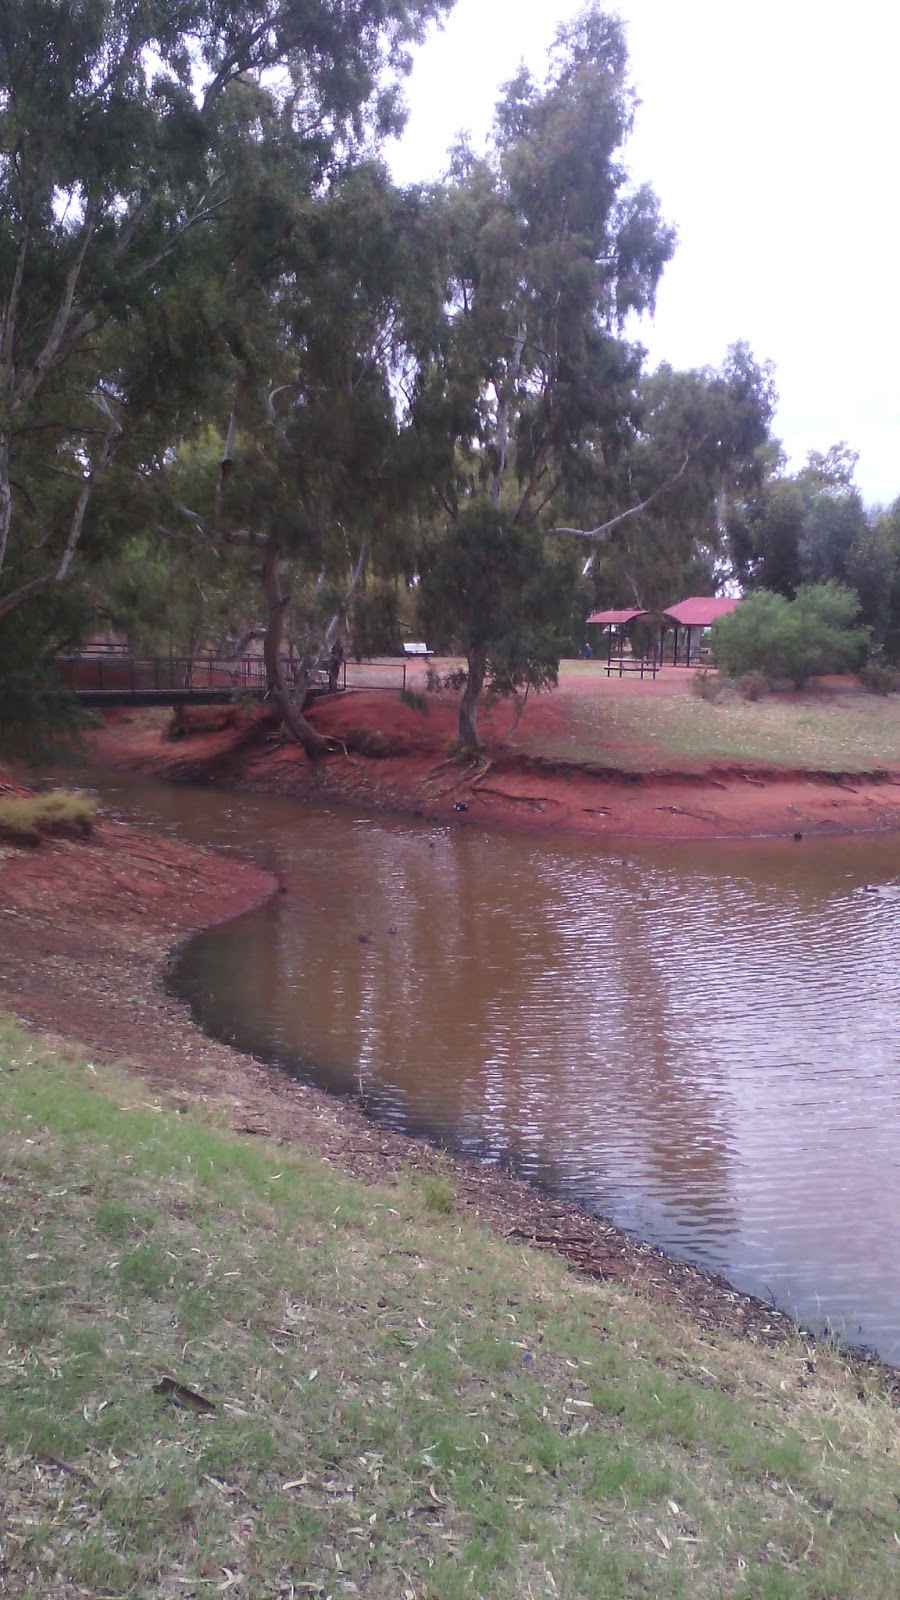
<point x="825" y="729"/>
<point x="404" y="1406"/>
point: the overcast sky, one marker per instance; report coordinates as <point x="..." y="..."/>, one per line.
<point x="771" y="133"/>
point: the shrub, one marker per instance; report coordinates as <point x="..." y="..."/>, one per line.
<point x="753" y="685"/>
<point x="437" y="1192"/>
<point x="36" y="715"/>
<point x="373" y="743"/>
<point x="706" y="685"/>
<point x="878" y="678"/>
<point x="415" y="701"/>
<point x="793" y="639"/>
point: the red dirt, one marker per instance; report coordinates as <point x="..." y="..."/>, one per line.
<point x="394" y="758"/>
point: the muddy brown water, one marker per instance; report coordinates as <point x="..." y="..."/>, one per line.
<point x="699" y="1041"/>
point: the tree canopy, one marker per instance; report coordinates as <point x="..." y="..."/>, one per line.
<point x="118" y="146"/>
<point x="244" y="375"/>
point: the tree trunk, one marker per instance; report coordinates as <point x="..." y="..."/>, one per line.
<point x="280" y="691"/>
<point x="469" y="705"/>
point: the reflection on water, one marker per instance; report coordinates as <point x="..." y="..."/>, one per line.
<point x="698" y="1041"/>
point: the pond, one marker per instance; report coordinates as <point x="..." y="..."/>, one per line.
<point x="699" y="1042"/>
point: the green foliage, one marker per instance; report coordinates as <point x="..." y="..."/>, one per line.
<point x="543" y="253"/>
<point x="876" y="677"/>
<point x="797" y="639"/>
<point x="36" y="716"/>
<point x="375" y="619"/>
<point x="437" y="1193"/>
<point x="155" y="160"/>
<point x="495" y="593"/>
<point x="702" y="442"/>
<point x="415" y="700"/>
<point x="812" y="528"/>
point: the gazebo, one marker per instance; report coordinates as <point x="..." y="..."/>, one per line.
<point x="693" y="616"/>
<point x="687" y="619"/>
<point x="613" y="624"/>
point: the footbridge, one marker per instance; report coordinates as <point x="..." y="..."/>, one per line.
<point x="119" y="680"/>
<point x="112" y="678"/>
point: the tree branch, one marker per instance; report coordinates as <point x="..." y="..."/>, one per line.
<point x="98" y="466"/>
<point x="202" y="214"/>
<point x="31" y="383"/>
<point x="10" y="315"/>
<point x="605" y="528"/>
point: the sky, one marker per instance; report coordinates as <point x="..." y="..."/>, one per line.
<point x="771" y="134"/>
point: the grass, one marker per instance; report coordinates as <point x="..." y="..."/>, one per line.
<point x="404" y="1406"/>
<point x="822" y="729"/>
<point x="24" y="820"/>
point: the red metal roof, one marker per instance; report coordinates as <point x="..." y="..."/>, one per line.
<point x="615" y="619"/>
<point x="701" y="611"/>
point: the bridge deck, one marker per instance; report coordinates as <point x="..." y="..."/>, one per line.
<point x="116" y="680"/>
<point x="112" y="679"/>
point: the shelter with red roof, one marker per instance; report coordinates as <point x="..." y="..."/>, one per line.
<point x="688" y="620"/>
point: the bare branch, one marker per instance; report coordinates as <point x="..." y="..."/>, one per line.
<point x="603" y="529"/>
<point x="238" y="646"/>
<point x="98" y="466"/>
<point x="61" y="322"/>
<point x="133" y="222"/>
<point x="634" y="590"/>
<point x="272" y="414"/>
<point x="214" y="536"/>
<point x="10" y="315"/>
<point x="202" y="214"/>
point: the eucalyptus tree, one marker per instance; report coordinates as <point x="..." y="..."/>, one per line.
<point x="701" y="446"/>
<point x="811" y="527"/>
<point x="112" y="116"/>
<point x="547" y="253"/>
<point x="312" y="474"/>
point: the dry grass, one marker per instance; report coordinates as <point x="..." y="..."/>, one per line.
<point x="825" y="729"/>
<point x="403" y="1406"/>
<point x="26" y="820"/>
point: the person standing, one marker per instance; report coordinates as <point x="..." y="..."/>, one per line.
<point x="335" y="664"/>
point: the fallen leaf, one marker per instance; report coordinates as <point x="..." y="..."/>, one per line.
<point x="181" y="1395"/>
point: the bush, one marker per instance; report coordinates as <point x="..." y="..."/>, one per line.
<point x="415" y="701"/>
<point x="36" y="715"/>
<point x="753" y="685"/>
<point x="793" y="639"/>
<point x="373" y="743"/>
<point x="706" y="685"/>
<point x="878" y="678"/>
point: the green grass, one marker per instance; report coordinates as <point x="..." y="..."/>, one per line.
<point x="404" y="1406"/>
<point x="843" y="731"/>
<point x="25" y="819"/>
